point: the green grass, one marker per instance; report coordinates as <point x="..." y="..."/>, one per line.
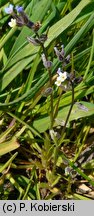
<point x="34" y="164"/>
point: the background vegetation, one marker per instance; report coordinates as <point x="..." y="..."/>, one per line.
<point x="32" y="166"/>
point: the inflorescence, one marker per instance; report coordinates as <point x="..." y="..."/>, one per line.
<point x="20" y="18"/>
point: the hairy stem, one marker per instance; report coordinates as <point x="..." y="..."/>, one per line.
<point x="50" y="80"/>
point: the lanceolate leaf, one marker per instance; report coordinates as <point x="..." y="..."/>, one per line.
<point x="54" y="32"/>
<point x="8" y="146"/>
<point x="62" y="24"/>
<point x="80" y="110"/>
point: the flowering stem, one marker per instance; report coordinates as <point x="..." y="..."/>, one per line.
<point x="57" y="105"/>
<point x="50" y="80"/>
<point x="72" y="103"/>
<point x="51" y="96"/>
<point x="60" y="79"/>
<point x="41" y="44"/>
<point x="62" y="132"/>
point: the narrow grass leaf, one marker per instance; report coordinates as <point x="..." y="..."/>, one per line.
<point x="8" y="146"/>
<point x="8" y="162"/>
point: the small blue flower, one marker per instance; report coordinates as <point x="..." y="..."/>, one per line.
<point x="9" y="9"/>
<point x="19" y="9"/>
<point x="59" y="71"/>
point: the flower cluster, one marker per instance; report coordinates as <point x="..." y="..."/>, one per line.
<point x="47" y="64"/>
<point x="20" y="18"/>
<point x="61" y="55"/>
<point x="62" y="76"/>
<point x="9" y="10"/>
<point x="38" y="40"/>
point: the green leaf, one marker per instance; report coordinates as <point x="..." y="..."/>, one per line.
<point x="8" y="162"/>
<point x="13" y="72"/>
<point x="39" y="9"/>
<point x="8" y="146"/>
<point x="80" y="34"/>
<point x="80" y="110"/>
<point x="65" y="22"/>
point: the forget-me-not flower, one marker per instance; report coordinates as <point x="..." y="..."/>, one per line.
<point x="62" y="76"/>
<point x="12" y="23"/>
<point x="9" y="9"/>
<point x="19" y="9"/>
